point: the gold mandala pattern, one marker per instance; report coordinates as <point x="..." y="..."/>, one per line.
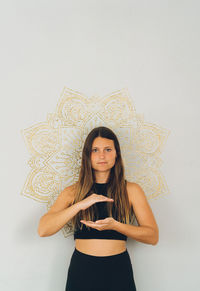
<point x="56" y="145"/>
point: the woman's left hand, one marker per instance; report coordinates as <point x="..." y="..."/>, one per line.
<point x="103" y="224"/>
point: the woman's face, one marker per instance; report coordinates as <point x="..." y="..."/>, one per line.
<point x="103" y="150"/>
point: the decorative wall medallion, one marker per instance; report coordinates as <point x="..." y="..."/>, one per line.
<point x="55" y="145"/>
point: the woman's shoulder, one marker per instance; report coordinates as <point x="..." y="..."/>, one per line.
<point x="71" y="190"/>
<point x="132" y="184"/>
<point x="133" y="188"/>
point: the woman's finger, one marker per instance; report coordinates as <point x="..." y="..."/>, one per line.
<point x="103" y="198"/>
<point x="99" y="221"/>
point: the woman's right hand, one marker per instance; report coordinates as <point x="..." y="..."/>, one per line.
<point x="92" y="199"/>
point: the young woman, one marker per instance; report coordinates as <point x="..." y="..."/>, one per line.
<point x="101" y="206"/>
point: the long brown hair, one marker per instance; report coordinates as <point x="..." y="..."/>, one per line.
<point x="120" y="209"/>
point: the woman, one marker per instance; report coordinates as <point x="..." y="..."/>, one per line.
<point x="101" y="206"/>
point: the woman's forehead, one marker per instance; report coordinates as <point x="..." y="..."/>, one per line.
<point x="102" y="142"/>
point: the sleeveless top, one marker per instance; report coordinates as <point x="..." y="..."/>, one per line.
<point x="92" y="233"/>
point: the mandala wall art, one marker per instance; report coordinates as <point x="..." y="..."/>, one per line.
<point x="55" y="145"/>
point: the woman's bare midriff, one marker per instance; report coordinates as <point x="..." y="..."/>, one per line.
<point x="100" y="247"/>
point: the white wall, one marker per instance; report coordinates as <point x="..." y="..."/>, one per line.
<point x="97" y="47"/>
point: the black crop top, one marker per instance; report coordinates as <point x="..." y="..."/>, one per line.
<point x="92" y="233"/>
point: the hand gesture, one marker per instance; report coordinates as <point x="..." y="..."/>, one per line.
<point x="92" y="199"/>
<point x="103" y="224"/>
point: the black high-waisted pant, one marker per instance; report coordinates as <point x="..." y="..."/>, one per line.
<point x="94" y="273"/>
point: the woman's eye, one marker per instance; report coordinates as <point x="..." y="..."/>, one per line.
<point x="96" y="149"/>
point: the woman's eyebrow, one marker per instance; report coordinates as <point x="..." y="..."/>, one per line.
<point x="104" y="147"/>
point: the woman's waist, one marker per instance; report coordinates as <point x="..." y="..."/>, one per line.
<point x="100" y="247"/>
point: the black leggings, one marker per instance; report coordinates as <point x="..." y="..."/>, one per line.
<point x="94" y="273"/>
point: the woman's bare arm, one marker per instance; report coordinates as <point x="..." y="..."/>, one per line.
<point x="59" y="214"/>
<point x="147" y="231"/>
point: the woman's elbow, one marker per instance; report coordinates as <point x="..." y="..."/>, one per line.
<point x="40" y="229"/>
<point x="155" y="237"/>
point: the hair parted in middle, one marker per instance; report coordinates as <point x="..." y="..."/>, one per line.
<point x="120" y="209"/>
